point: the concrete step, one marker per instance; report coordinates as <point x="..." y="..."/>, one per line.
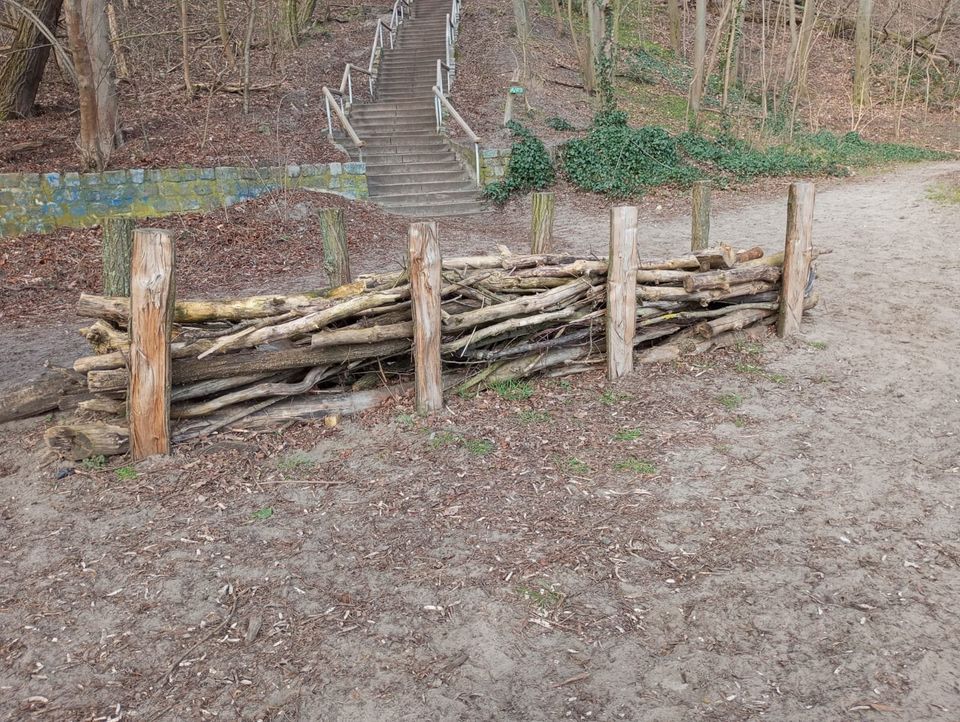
<point x="401" y="157"/>
<point x="425" y="183"/>
<point x="386" y="170"/>
<point x="436" y="210"/>
<point x="399" y="199"/>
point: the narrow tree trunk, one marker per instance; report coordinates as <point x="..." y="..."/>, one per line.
<point x="28" y="53"/>
<point x="673" y="16"/>
<point x="861" y="64"/>
<point x="247" y="40"/>
<point x="699" y="60"/>
<point x="122" y="70"/>
<point x="336" y="261"/>
<point x="541" y="240"/>
<point x="89" y="41"/>
<point x="290" y="23"/>
<point x="223" y="28"/>
<point x="522" y="19"/>
<point x="117" y="249"/>
<point x="185" y="48"/>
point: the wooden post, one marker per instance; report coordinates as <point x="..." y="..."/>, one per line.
<point x="336" y="261"/>
<point x="621" y="322"/>
<point x="541" y="232"/>
<point x="425" y="282"/>
<point x="797" y="255"/>
<point x="117" y="247"/>
<point x="700" y="216"/>
<point x="152" y="294"/>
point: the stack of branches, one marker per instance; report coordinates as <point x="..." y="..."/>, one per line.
<point x="268" y="360"/>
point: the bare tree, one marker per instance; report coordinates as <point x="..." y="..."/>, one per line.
<point x="699" y="64"/>
<point x="93" y="56"/>
<point x="861" y="49"/>
<point x="28" y="53"/>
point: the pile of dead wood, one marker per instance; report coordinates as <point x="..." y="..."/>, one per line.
<point x="267" y="360"/>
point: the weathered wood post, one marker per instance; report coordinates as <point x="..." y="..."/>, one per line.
<point x="152" y="292"/>
<point x="700" y="216"/>
<point x="621" y="323"/>
<point x="425" y="281"/>
<point x="336" y="261"/>
<point x="117" y="249"/>
<point x="541" y="230"/>
<point x="797" y="256"/>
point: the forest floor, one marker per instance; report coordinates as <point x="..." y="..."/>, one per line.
<point x="768" y="532"/>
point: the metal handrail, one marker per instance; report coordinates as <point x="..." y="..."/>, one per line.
<point x="346" y="81"/>
<point x="329" y="97"/>
<point x="442" y="102"/>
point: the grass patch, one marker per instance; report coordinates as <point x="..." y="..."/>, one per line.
<point x="637" y="466"/>
<point x="534" y="417"/>
<point x="740" y="422"/>
<point x="628" y="434"/>
<point x="761" y="372"/>
<point x="263" y="514"/>
<point x="730" y="401"/>
<point x="573" y="465"/>
<point x="296" y="462"/>
<point x="126" y="473"/>
<point x="94" y="463"/>
<point x="406" y="420"/>
<point x="544" y="598"/>
<point x="610" y="397"/>
<point x="945" y="193"/>
<point x="513" y="390"/>
<point x="442" y="439"/>
<point x="818" y="345"/>
<point x="479" y="447"/>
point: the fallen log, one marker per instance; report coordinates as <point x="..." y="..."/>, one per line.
<point x="40" y="395"/>
<point x="733" y="321"/>
<point x="727" y="278"/>
<point x="248" y="362"/>
<point x="83" y="441"/>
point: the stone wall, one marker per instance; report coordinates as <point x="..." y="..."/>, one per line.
<point x="39" y="202"/>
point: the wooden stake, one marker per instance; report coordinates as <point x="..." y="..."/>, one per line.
<point x="117" y="247"/>
<point x="336" y="261"/>
<point x="797" y="256"/>
<point x="151" y="318"/>
<point x="700" y="216"/>
<point x="621" y="321"/>
<point x="541" y="240"/>
<point x="425" y="283"/>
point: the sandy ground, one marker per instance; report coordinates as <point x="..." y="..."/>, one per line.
<point x="766" y="533"/>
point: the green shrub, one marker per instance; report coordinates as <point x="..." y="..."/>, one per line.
<point x="558" y="123"/>
<point x="530" y="167"/>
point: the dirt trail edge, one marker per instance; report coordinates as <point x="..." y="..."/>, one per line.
<point x="770" y="533"/>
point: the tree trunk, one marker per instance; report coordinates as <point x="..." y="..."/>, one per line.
<point x="673" y="15"/>
<point x="117" y="248"/>
<point x="336" y="260"/>
<point x="861" y="64"/>
<point x="600" y="19"/>
<point x="90" y="43"/>
<point x="28" y="53"/>
<point x="185" y="48"/>
<point x="699" y="60"/>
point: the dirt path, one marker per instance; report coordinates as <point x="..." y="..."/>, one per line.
<point x="770" y="533"/>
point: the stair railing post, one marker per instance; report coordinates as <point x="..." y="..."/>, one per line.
<point x="449" y="41"/>
<point x="476" y="155"/>
<point x="326" y="100"/>
<point x="350" y="83"/>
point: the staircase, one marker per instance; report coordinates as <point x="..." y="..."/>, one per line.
<point x="411" y="171"/>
